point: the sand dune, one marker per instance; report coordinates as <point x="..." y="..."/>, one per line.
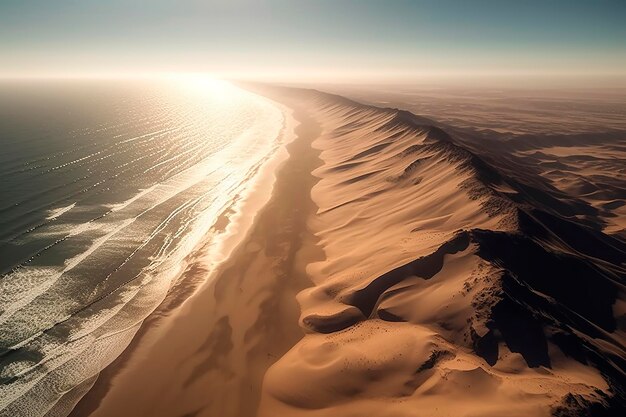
<point x="449" y="286"/>
<point x="400" y="268"/>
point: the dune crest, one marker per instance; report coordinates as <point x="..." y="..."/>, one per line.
<point x="448" y="287"/>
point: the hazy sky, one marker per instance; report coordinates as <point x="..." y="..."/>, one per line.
<point x="340" y="39"/>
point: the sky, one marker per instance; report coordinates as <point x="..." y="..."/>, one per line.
<point x="342" y="40"/>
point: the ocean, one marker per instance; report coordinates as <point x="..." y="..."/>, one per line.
<point x="106" y="187"/>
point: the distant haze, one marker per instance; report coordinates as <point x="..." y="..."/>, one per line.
<point x="561" y="42"/>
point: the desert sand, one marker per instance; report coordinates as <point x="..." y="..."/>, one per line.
<point x="401" y="268"/>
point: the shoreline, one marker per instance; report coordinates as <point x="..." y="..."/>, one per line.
<point x="274" y="240"/>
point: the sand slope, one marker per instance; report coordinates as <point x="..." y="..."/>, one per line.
<point x="450" y="286"/>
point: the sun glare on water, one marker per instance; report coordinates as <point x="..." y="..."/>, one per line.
<point x="203" y="84"/>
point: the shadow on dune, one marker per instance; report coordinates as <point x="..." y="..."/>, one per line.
<point x="558" y="277"/>
<point x="537" y="270"/>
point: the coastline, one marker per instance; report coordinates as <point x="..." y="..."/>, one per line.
<point x="267" y="264"/>
<point x="378" y="280"/>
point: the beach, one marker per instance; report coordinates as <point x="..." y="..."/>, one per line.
<point x="238" y="321"/>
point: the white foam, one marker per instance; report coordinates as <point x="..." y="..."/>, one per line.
<point x="55" y="213"/>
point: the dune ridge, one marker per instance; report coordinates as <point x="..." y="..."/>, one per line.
<point x="449" y="285"/>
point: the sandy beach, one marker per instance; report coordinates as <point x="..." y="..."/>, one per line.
<point x="221" y="336"/>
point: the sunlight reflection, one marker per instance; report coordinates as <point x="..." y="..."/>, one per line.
<point x="200" y="83"/>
